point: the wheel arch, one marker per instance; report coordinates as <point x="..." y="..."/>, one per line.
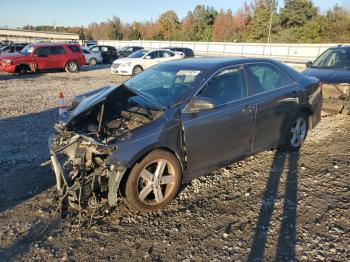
<point x="141" y="155"/>
<point x="23" y="65"/>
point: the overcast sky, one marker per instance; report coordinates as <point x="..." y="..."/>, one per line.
<point x="82" y="12"/>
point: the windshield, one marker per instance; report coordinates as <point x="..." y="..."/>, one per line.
<point x="333" y="58"/>
<point x="138" y="54"/>
<point x="165" y="84"/>
<point x="27" y="50"/>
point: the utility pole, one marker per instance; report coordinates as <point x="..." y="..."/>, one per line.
<point x="272" y="4"/>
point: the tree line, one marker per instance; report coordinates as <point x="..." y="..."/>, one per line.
<point x="298" y="21"/>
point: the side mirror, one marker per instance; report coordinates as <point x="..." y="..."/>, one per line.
<point x="199" y="104"/>
<point x="148" y="57"/>
<point x="308" y="63"/>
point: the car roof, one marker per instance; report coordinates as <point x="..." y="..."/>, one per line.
<point x="216" y="63"/>
<point x="51" y="44"/>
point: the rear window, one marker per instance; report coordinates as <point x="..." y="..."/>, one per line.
<point x="74" y="48"/>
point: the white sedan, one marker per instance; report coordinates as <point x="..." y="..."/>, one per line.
<point x="92" y="58"/>
<point x="141" y="60"/>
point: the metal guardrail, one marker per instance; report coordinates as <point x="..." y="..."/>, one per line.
<point x="296" y="53"/>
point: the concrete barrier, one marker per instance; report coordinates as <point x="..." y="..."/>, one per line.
<point x="294" y="53"/>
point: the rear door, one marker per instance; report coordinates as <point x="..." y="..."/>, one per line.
<point x="217" y="136"/>
<point x="165" y="56"/>
<point x="42" y="57"/>
<point x="276" y="101"/>
<point x="58" y="57"/>
<point x="152" y="60"/>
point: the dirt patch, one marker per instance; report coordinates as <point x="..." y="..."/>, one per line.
<point x="271" y="206"/>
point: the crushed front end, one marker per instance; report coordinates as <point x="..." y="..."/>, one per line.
<point x="86" y="137"/>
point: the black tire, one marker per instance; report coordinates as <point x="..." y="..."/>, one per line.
<point x="296" y="136"/>
<point x="136" y="70"/>
<point x="71" y="67"/>
<point x="23" y="69"/>
<point x="168" y="183"/>
<point x="92" y="61"/>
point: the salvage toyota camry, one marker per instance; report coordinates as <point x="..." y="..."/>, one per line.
<point x="175" y="121"/>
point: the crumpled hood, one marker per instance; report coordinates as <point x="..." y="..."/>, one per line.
<point x="87" y="100"/>
<point x="329" y="76"/>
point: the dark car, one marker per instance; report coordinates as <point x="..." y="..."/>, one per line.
<point x="332" y="66"/>
<point x="188" y="52"/>
<point x="15" y="48"/>
<point x="128" y="50"/>
<point x="176" y="121"/>
<point x="109" y="53"/>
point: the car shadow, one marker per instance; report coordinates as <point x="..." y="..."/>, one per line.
<point x="96" y="67"/>
<point x="287" y="235"/>
<point x="24" y="146"/>
<point x="8" y="76"/>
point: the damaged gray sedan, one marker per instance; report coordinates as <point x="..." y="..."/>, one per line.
<point x="176" y="121"/>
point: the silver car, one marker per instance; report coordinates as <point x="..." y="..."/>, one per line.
<point x="92" y="58"/>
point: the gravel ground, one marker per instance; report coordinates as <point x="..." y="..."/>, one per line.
<point x="273" y="206"/>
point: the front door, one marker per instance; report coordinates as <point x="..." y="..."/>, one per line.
<point x="42" y="58"/>
<point x="217" y="136"/>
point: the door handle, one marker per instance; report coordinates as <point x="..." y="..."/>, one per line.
<point x="248" y="108"/>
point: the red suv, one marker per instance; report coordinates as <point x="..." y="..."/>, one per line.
<point x="43" y="56"/>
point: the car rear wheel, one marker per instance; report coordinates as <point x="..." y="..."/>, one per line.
<point x="72" y="67"/>
<point x="297" y="132"/>
<point x="153" y="182"/>
<point x="92" y="61"/>
<point x="137" y="70"/>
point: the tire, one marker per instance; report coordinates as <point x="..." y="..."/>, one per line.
<point x="92" y="61"/>
<point x="72" y="67"/>
<point x="145" y="191"/>
<point x="137" y="70"/>
<point x="23" y="69"/>
<point x="296" y="132"/>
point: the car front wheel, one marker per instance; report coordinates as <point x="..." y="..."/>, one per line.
<point x="153" y="182"/>
<point x="297" y="132"/>
<point x="137" y="70"/>
<point x="72" y="67"/>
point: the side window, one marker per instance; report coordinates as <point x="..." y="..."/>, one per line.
<point x="43" y="51"/>
<point x="95" y="49"/>
<point x="130" y="49"/>
<point x="104" y="48"/>
<point x="227" y="86"/>
<point x="154" y="54"/>
<point x="165" y="54"/>
<point x="286" y="79"/>
<point x="57" y="50"/>
<point x="263" y="77"/>
<point x="74" y="48"/>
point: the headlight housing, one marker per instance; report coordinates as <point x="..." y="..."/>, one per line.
<point x="7" y="61"/>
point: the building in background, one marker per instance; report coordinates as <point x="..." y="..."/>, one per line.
<point x="18" y="35"/>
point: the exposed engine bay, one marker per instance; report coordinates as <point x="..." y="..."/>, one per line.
<point x="81" y="148"/>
